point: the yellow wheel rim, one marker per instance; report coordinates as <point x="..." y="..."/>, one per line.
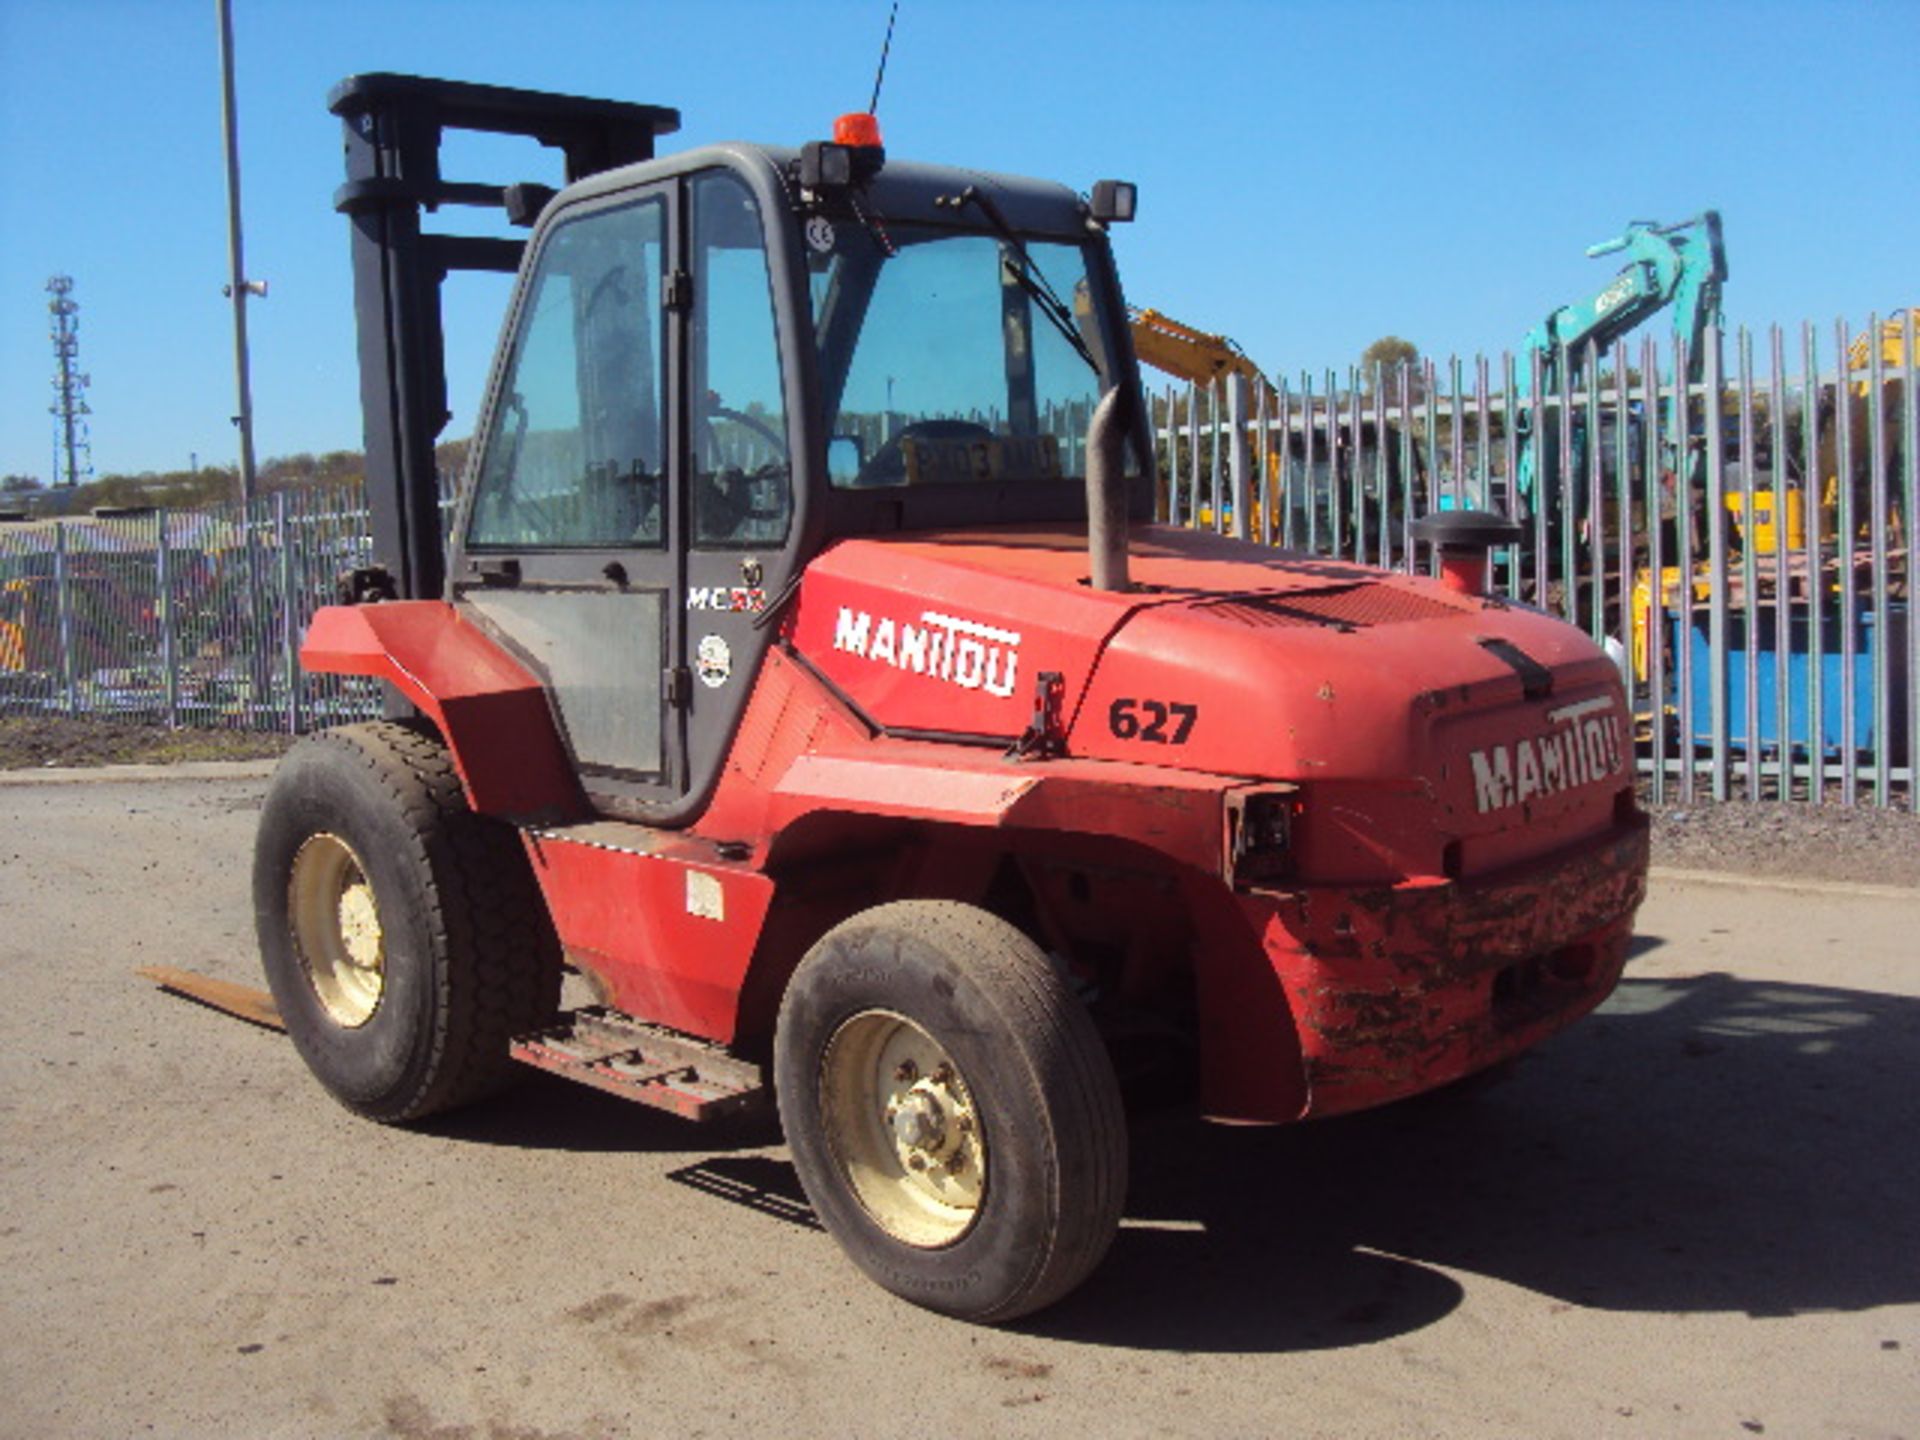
<point x="903" y="1128"/>
<point x="336" y="929"/>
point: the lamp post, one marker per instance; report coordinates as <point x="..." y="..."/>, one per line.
<point x="238" y="288"/>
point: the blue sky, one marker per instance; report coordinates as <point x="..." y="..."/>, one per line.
<point x="1312" y="176"/>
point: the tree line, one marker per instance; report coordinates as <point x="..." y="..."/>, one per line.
<point x="207" y="486"/>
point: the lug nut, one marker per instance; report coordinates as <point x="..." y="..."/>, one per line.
<point x="916" y="1162"/>
<point x="907" y="1072"/>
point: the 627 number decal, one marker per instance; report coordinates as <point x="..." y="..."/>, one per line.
<point x="1149" y="720"/>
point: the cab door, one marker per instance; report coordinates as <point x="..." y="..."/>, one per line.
<point x="741" y="542"/>
<point x="570" y="551"/>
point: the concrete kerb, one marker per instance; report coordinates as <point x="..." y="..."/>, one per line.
<point x="124" y="774"/>
<point x="1671" y="875"/>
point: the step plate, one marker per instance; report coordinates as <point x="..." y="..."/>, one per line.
<point x="636" y="1061"/>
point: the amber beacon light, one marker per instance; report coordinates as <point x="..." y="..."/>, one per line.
<point x="859" y="128"/>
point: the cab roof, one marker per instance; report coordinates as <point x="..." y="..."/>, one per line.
<point x="904" y="190"/>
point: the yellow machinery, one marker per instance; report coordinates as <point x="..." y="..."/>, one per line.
<point x="1893" y="354"/>
<point x="13" y="629"/>
<point x="1189" y="354"/>
<point x="1764" y="533"/>
<point x="1852" y="402"/>
<point x="1200" y="358"/>
<point x="1670" y="599"/>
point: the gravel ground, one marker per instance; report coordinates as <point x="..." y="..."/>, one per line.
<point x="34" y="742"/>
<point x="1791" y="841"/>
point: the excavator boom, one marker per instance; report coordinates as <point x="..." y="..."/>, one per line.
<point x="1682" y="265"/>
<point x="1186" y="353"/>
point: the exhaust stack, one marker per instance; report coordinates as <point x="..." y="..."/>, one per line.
<point x="1107" y="489"/>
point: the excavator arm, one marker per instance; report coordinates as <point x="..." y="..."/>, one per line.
<point x="1196" y="356"/>
<point x="1682" y="265"/>
<point x="1186" y="353"/>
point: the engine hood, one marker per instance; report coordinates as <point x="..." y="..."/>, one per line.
<point x="948" y="631"/>
<point x="1230" y="658"/>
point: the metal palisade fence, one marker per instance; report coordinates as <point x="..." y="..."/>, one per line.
<point x="1740" y="541"/>
<point x="185" y="618"/>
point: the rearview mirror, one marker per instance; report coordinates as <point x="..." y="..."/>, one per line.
<point x="845" y="459"/>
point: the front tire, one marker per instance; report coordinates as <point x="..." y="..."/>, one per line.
<point x="951" y="1112"/>
<point x="404" y="938"/>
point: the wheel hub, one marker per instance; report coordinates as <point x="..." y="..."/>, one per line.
<point x="360" y="926"/>
<point x="902" y="1123"/>
<point x="335" y="919"/>
<point x="919" y="1125"/>
<point x="927" y="1123"/>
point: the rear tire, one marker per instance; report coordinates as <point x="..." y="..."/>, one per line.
<point x="404" y="937"/>
<point x="952" y="1114"/>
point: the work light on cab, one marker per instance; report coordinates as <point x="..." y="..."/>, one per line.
<point x="854" y="154"/>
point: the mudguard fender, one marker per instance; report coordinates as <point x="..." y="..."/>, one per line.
<point x="491" y="710"/>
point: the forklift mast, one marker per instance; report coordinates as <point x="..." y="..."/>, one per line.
<point x="394" y="127"/>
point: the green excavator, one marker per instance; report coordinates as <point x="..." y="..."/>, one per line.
<point x="1683" y="266"/>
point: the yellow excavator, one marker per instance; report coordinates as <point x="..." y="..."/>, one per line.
<point x="1200" y="358"/>
<point x="1852" y="398"/>
<point x="1893" y="350"/>
<point x="1189" y="354"/>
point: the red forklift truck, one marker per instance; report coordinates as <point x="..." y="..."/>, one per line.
<point x="801" y="670"/>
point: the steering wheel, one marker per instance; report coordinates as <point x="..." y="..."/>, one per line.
<point x="759" y="427"/>
<point x="724" y="500"/>
<point x="889" y="463"/>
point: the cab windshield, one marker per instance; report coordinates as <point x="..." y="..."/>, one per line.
<point x="939" y="358"/>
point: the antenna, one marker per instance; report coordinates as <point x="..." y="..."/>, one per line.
<point x="873" y="105"/>
<point x="69" y="407"/>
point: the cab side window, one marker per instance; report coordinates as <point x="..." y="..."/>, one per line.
<point x="576" y="454"/>
<point x="742" y="478"/>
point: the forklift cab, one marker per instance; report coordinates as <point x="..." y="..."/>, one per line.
<point x="717" y="363"/>
<point x="634" y="479"/>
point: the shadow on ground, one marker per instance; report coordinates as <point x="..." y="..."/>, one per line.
<point x="545" y="1112"/>
<point x="1705" y="1144"/>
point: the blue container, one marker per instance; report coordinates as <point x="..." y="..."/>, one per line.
<point x="1762" y="650"/>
